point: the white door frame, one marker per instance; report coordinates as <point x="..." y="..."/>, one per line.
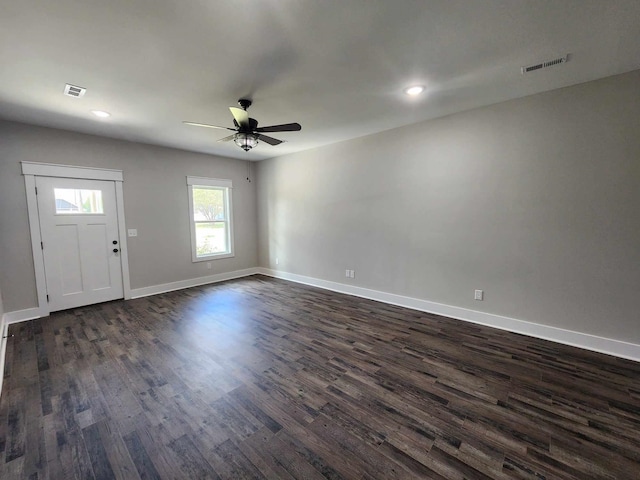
<point x="32" y="169"/>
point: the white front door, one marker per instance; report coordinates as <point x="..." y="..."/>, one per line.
<point x="80" y="242"/>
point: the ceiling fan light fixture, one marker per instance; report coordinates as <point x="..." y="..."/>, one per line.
<point x="246" y="141"/>
<point x="101" y="113"/>
<point x="414" y="90"/>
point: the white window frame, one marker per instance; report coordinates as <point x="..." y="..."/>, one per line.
<point x="228" y="188"/>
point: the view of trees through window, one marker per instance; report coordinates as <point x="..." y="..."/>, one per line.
<point x="208" y="204"/>
<point x="210" y="217"/>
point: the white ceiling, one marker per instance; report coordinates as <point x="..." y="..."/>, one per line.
<point x="338" y="67"/>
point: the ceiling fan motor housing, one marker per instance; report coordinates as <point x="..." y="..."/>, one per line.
<point x="244" y="103"/>
<point x="253" y="124"/>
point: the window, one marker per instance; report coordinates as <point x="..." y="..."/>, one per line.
<point x="77" y="201"/>
<point x="210" y="213"/>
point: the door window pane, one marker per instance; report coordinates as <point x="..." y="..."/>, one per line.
<point x="77" y="201"/>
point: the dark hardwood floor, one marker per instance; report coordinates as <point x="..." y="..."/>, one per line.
<point x="261" y="378"/>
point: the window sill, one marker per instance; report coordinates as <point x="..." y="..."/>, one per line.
<point x="208" y="258"/>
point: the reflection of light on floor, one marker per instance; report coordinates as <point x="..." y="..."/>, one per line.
<point x="214" y="321"/>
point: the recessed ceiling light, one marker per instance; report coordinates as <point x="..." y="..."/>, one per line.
<point x="414" y="90"/>
<point x="100" y="113"/>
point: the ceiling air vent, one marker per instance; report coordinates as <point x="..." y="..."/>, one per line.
<point x="74" y="90"/>
<point x="540" y="66"/>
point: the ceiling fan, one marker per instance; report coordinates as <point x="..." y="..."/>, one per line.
<point x="247" y="131"/>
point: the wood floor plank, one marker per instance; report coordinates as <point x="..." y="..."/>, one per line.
<point x="161" y="456"/>
<point x="262" y="378"/>
<point x="290" y="459"/>
<point x="121" y="462"/>
<point x="257" y="448"/>
<point x="193" y="463"/>
<point x="35" y="454"/>
<point x="231" y="462"/>
<point x="102" y="468"/>
<point x="144" y="465"/>
<point x="71" y="438"/>
<point x="318" y="458"/>
<point x="361" y="453"/>
<point x="16" y="426"/>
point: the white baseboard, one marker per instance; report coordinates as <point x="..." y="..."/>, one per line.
<point x="609" y="346"/>
<point x="3" y="347"/>
<point x="192" y="282"/>
<point x="22" y="315"/>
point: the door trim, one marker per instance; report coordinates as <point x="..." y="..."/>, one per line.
<point x="32" y="169"/>
<point x="70" y="171"/>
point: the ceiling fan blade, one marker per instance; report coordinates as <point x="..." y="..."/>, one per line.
<point x="270" y="140"/>
<point x="241" y="116"/>
<point x="206" y="125"/>
<point x="226" y="139"/>
<point x="285" y="127"/>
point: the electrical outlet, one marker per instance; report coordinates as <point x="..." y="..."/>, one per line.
<point x="352" y="274"/>
<point x="132" y="232"/>
<point x="277" y="261"/>
<point x="479" y="295"/>
<point x="209" y="265"/>
<point x="346" y="273"/>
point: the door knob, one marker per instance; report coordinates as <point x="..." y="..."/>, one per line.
<point x="115" y="242"/>
<point x="115" y="250"/>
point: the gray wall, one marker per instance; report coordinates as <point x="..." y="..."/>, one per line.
<point x="534" y="200"/>
<point x="155" y="195"/>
